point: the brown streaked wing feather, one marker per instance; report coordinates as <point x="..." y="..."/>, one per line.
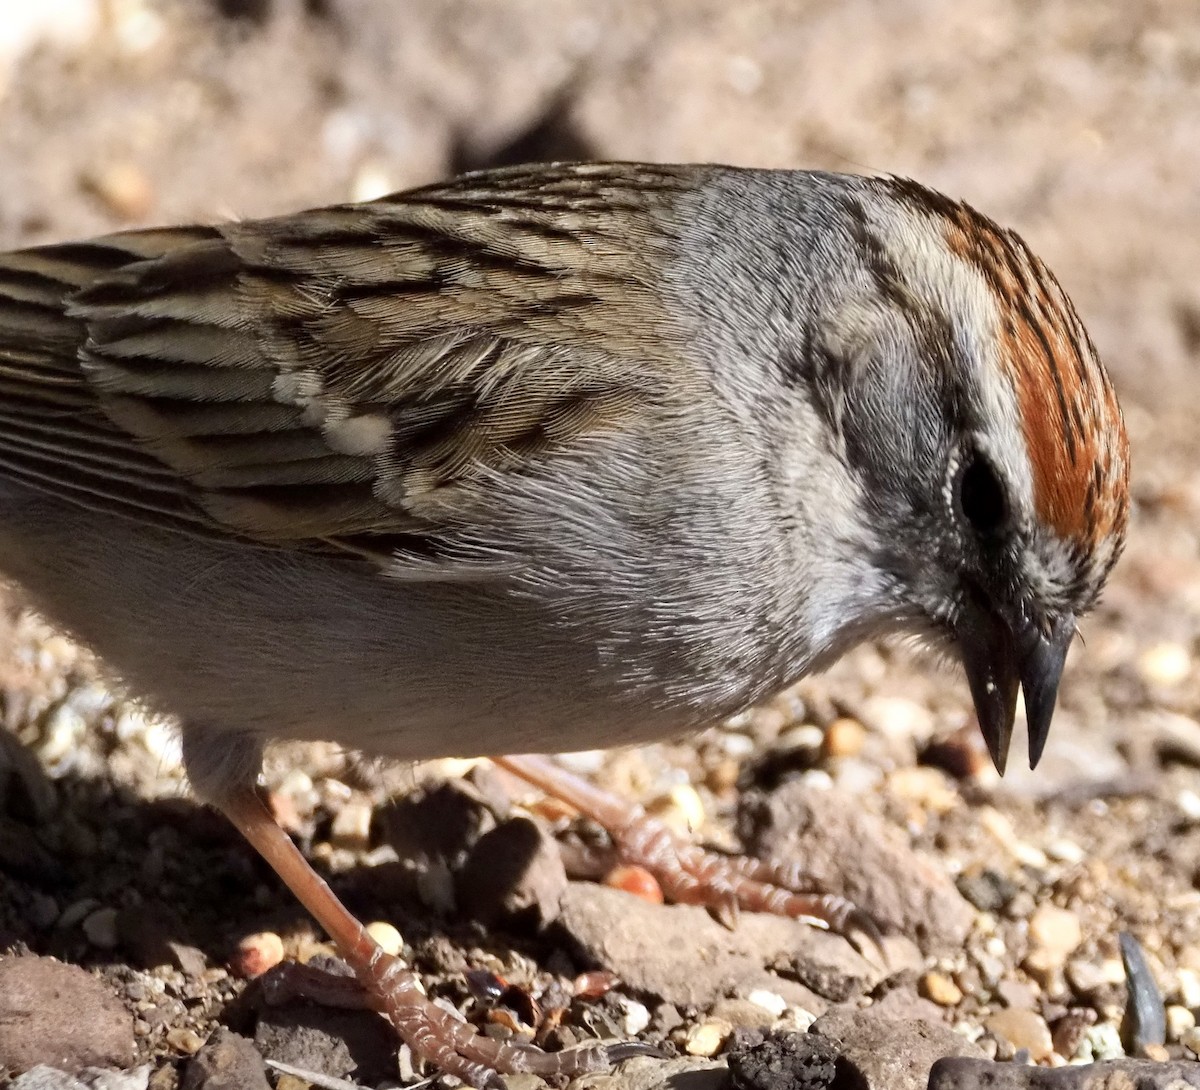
<point x="53" y="435"/>
<point x="348" y="373"/>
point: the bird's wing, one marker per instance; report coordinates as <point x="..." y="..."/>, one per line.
<point x="350" y="375"/>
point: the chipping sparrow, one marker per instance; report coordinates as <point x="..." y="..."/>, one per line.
<point x="545" y="458"/>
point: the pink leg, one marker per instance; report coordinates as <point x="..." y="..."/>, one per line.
<point x="689" y="874"/>
<point x="431" y="1032"/>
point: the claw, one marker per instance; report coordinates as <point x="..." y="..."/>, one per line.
<point x="863" y="933"/>
<point x="626" y="1050"/>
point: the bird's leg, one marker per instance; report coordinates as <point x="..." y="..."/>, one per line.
<point x="689" y="874"/>
<point x="431" y="1032"/>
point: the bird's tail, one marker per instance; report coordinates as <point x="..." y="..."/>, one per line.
<point x="53" y="435"/>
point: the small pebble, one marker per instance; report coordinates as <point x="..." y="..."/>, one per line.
<point x="1105" y="1042"/>
<point x="1191" y="1041"/>
<point x="898" y="718"/>
<point x="635" y="1017"/>
<point x="1189" y="804"/>
<point x="292" y="1082"/>
<point x="256" y="954"/>
<point x="988" y="890"/>
<point x="1000" y="827"/>
<point x="1016" y="993"/>
<point x="1055" y="931"/>
<point x="773" y="1003"/>
<point x="941" y="989"/>
<point x="972" y="1031"/>
<point x="924" y="786"/>
<point x="1070" y="1031"/>
<point x="1065" y="851"/>
<point x="801" y="739"/>
<point x="1189" y="987"/>
<point x="707" y="1038"/>
<point x="795" y="1020"/>
<point x="1043" y="969"/>
<point x="844" y="737"/>
<point x="62" y="734"/>
<point x="1023" y="1029"/>
<point x="1086" y="976"/>
<point x="185" y="1040"/>
<point x="681" y="808"/>
<point x="387" y="936"/>
<point x="636" y="880"/>
<point x="351" y="828"/>
<point x="962" y="755"/>
<point x="100" y="927"/>
<point x="1164" y="664"/>
<point x="372" y="180"/>
<point x="123" y="189"/>
<point x="736" y="745"/>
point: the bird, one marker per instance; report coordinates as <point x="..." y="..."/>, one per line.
<point x="551" y="457"/>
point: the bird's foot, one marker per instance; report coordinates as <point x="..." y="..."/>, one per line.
<point x="385" y="984"/>
<point x="691" y="875"/>
<point x="434" y="1033"/>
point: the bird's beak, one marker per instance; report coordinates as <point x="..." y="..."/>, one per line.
<point x="1001" y="655"/>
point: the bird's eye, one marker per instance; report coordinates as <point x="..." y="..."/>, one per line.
<point x="981" y="497"/>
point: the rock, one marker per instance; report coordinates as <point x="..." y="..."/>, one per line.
<point x="854" y="854"/>
<point x="1022" y="1029"/>
<point x="791" y="1061"/>
<point x="888" y="1053"/>
<point x="679" y="953"/>
<point x="1145" y="1023"/>
<point x="92" y="1078"/>
<point x="441" y="822"/>
<point x="226" y="1062"/>
<point x="57" y="1014"/>
<point x="100" y="927"/>
<point x="46" y="1078"/>
<point x="641" y="1073"/>
<point x="987" y="890"/>
<point x="153" y="934"/>
<point x="964" y="1074"/>
<point x="338" y="1043"/>
<point x="137" y="1079"/>
<point x="514" y="874"/>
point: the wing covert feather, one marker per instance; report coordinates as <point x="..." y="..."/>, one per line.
<point x="348" y="373"/>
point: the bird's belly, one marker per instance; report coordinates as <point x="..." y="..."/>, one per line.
<point x="237" y="639"/>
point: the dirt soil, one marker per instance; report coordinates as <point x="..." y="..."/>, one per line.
<point x="1077" y="124"/>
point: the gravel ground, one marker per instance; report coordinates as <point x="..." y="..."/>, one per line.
<point x="1080" y="124"/>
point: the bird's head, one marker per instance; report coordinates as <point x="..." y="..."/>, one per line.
<point x="985" y="438"/>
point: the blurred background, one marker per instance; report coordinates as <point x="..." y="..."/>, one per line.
<point x="1079" y="124"/>
<point x="1076" y="123"/>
